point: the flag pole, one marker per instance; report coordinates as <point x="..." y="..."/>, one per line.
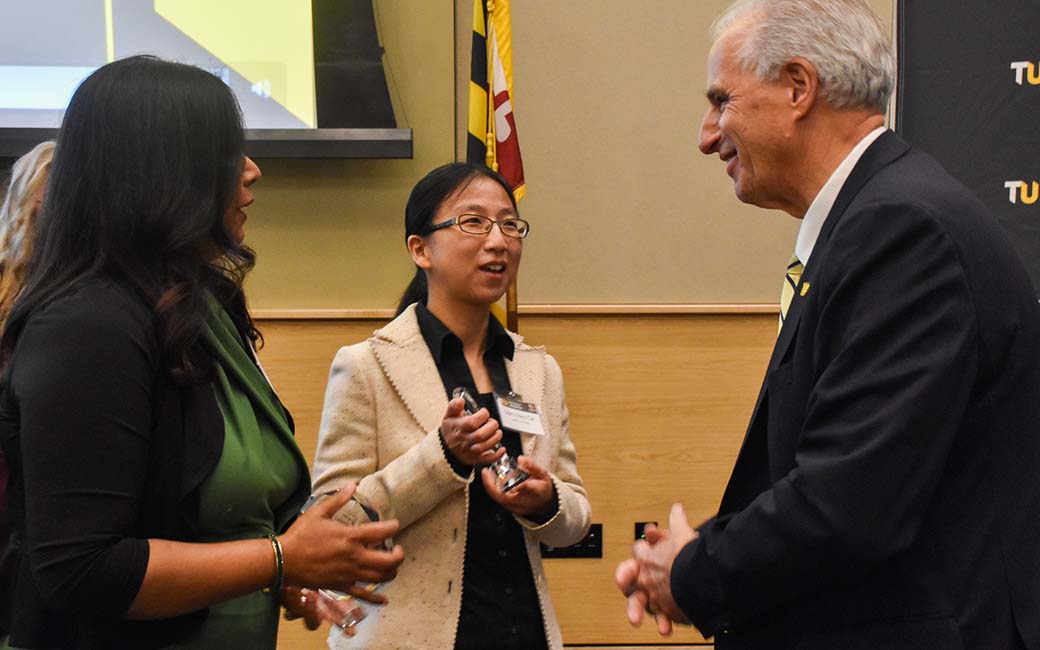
<point x="512" y="316"/>
<point x="491" y="156"/>
<point x="490" y="136"/>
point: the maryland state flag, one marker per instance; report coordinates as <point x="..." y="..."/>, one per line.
<point x="492" y="128"/>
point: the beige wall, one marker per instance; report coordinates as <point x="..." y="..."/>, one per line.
<point x="609" y="94"/>
<point x="608" y="100"/>
<point x="329" y="233"/>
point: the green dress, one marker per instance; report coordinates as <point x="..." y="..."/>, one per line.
<point x="258" y="486"/>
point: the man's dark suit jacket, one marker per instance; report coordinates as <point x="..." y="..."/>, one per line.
<point x="887" y="494"/>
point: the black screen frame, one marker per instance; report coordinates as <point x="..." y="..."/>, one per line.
<point x="268" y="143"/>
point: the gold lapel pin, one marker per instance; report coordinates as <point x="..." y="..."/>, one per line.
<point x="805" y="289"/>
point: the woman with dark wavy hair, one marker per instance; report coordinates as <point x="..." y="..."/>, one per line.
<point x="154" y="473"/>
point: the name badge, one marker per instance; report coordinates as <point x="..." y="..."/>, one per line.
<point x="519" y="415"/>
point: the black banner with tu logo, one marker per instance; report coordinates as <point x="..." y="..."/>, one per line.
<point x="969" y="94"/>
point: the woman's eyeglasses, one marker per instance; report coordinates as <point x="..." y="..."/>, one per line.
<point x="476" y="224"/>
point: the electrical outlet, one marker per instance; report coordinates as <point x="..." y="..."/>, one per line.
<point x="589" y="546"/>
<point x="641" y="529"/>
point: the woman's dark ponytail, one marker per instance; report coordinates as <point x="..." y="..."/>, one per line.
<point x="416" y="291"/>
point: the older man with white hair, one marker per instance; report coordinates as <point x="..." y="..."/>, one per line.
<point x="887" y="494"/>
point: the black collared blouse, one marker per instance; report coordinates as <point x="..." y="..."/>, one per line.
<point x="500" y="605"/>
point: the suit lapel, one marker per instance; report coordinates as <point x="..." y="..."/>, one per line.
<point x="887" y="148"/>
<point x="408" y="365"/>
<point x="406" y="361"/>
<point x="882" y="152"/>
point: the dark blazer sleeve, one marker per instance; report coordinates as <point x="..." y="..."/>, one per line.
<point x="871" y="395"/>
<point x="83" y="377"/>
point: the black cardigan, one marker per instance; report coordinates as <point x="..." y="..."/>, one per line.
<point x="104" y="452"/>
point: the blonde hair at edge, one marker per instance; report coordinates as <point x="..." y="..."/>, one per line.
<point x="18" y="219"/>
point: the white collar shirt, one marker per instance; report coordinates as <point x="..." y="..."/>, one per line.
<point x="821" y="206"/>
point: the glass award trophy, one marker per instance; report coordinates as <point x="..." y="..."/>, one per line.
<point x="340" y="608"/>
<point x="507" y="474"/>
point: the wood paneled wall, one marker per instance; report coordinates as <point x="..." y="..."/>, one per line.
<point x="659" y="405"/>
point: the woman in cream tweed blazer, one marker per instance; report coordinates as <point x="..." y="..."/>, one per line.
<point x="384" y="407"/>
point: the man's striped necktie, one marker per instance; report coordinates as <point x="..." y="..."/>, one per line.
<point x="794" y="275"/>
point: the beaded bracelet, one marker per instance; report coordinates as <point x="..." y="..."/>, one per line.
<point x="279" y="566"/>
